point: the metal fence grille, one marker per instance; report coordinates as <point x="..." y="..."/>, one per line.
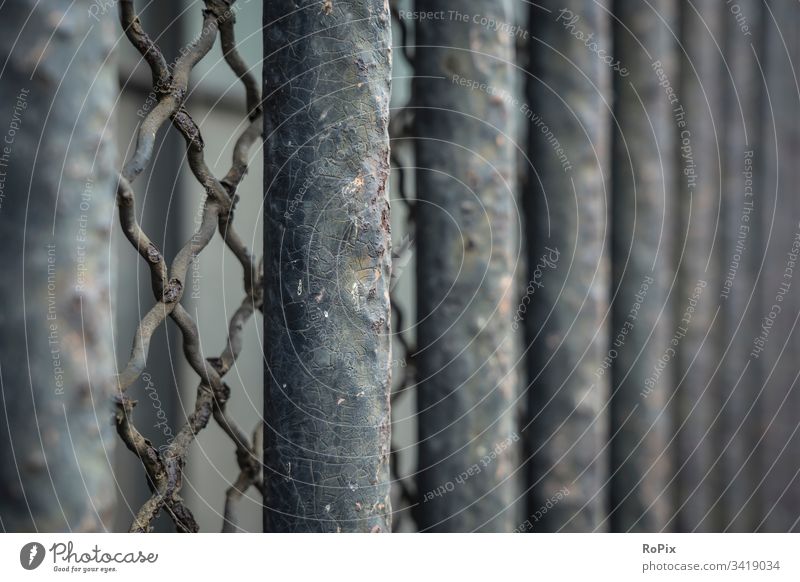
<point x="164" y="468"/>
<point x="400" y="134"/>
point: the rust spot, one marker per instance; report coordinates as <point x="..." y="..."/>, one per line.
<point x="224" y="394"/>
<point x="84" y="392"/>
<point x="153" y="255"/>
<point x="173" y="291"/>
<point x="451" y="64"/>
<point x="385" y="224"/>
<point x="472" y="179"/>
<point x="188" y="128"/>
<point x="327" y="7"/>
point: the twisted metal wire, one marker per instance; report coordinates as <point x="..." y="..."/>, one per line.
<point x="164" y="469"/>
<point x="400" y="128"/>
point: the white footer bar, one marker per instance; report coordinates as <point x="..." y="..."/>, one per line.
<point x="389" y="558"/>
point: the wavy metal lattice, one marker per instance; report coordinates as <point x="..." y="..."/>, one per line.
<point x="164" y="468"/>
